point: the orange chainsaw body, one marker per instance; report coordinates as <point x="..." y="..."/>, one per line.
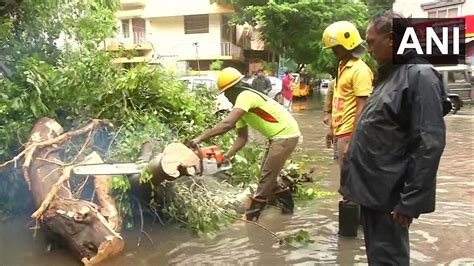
<point x="211" y="152"/>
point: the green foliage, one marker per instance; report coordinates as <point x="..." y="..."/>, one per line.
<point x="35" y="27"/>
<point x="297" y="240"/>
<point x="217" y="65"/>
<point x="41" y="79"/>
<point x="196" y="206"/>
<point x="300" y="179"/>
<point x="295" y="27"/>
<point x="308" y="193"/>
<point x="120" y="186"/>
<point x="129" y="140"/>
<point x="79" y="82"/>
<point x="370" y="61"/>
<point x="376" y="7"/>
<point x="246" y="165"/>
<point x="270" y="67"/>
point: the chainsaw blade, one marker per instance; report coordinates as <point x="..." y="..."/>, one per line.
<point x="109" y="169"/>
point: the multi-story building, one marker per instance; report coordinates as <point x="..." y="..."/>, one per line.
<point x="132" y="41"/>
<point x="181" y="35"/>
<point x="442" y="9"/>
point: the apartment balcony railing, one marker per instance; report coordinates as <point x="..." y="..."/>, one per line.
<point x="204" y="51"/>
<point x="136" y="40"/>
<point x="230" y="49"/>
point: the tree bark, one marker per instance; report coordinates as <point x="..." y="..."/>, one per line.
<point x="90" y="232"/>
<point x="76" y="223"/>
<point x="101" y="185"/>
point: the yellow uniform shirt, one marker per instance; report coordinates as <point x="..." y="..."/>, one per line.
<point x="354" y="80"/>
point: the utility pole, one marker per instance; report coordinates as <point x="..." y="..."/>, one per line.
<point x="196" y="44"/>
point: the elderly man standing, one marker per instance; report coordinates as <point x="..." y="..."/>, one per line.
<point x="396" y="148"/>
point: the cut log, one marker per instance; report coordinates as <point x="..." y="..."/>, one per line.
<point x="76" y="223"/>
<point x="84" y="230"/>
<point x="176" y="159"/>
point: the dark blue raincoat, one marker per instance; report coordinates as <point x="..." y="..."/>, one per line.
<point x="397" y="145"/>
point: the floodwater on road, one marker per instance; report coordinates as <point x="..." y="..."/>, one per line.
<point x="443" y="237"/>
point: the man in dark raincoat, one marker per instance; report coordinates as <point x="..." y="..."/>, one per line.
<point x="396" y="148"/>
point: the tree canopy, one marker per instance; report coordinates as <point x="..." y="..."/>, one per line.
<point x="295" y="27"/>
<point x="54" y="65"/>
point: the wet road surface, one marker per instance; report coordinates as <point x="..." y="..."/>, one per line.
<point x="443" y="237"/>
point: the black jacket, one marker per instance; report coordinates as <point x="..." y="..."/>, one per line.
<point x="397" y="145"/>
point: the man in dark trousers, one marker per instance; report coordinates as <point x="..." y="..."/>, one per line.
<point x="269" y="118"/>
<point x="396" y="148"/>
<point x="262" y="83"/>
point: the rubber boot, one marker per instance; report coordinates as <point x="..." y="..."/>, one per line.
<point x="254" y="208"/>
<point x="285" y="200"/>
<point x="348" y="218"/>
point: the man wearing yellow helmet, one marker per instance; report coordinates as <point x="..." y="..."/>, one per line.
<point x="353" y="83"/>
<point x="254" y="109"/>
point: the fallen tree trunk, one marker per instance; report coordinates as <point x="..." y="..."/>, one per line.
<point x="101" y="186"/>
<point x="76" y="223"/>
<point x="86" y="232"/>
<point x="90" y="231"/>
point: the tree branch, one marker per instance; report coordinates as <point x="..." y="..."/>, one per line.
<point x="32" y="146"/>
<point x="52" y="193"/>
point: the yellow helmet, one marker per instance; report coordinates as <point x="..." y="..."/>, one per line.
<point x="341" y="33"/>
<point x="228" y="77"/>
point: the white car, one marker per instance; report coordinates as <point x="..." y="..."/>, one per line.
<point x="210" y="82"/>
<point x="275" y="92"/>
<point x="323" y="88"/>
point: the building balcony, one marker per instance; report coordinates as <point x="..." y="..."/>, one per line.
<point x="128" y="4"/>
<point x="132" y="13"/>
<point x="136" y="59"/>
<point x="135" y="41"/>
<point x="230" y="49"/>
<point x="211" y="51"/>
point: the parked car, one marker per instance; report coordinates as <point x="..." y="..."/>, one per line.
<point x="323" y="88"/>
<point x="471" y="74"/>
<point x="457" y="82"/>
<point x="210" y="82"/>
<point x="275" y="92"/>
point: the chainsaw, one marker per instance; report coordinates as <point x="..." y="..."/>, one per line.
<point x="211" y="162"/>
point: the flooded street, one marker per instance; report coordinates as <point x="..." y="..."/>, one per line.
<point x="443" y="237"/>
